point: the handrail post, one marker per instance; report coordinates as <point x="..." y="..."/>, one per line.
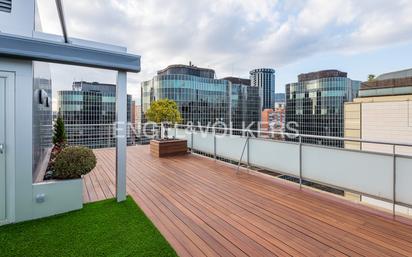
<point x="243" y="151"/>
<point x="394" y="181"/>
<point x="214" y="143"/>
<point x="110" y="136"/>
<point x="191" y="140"/>
<point x="161" y="130"/>
<point x="300" y="162"/>
<point x="247" y="150"/>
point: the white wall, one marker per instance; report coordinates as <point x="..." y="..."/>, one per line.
<point x="276" y="156"/>
<point x="362" y="172"/>
<point x="21" y="19"/>
<point x="59" y="197"/>
<point x="387" y="205"/>
<point x="19" y="152"/>
<point x="387" y="121"/>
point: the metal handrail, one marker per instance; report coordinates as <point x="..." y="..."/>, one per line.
<point x="250" y="133"/>
<point x="297" y="135"/>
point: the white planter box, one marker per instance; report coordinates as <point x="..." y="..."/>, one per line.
<point x="57" y="196"/>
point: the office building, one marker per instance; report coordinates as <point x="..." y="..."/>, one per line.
<point x="273" y="120"/>
<point x="382" y="112"/>
<point x="264" y="79"/>
<point x="315" y="104"/>
<point x="138" y="113"/>
<point x="133" y="112"/>
<point x="245" y="104"/>
<point x="89" y="114"/>
<point x="267" y="123"/>
<point x="133" y="123"/>
<point x="203" y="99"/>
<point x="280" y="100"/>
<point x="279" y="120"/>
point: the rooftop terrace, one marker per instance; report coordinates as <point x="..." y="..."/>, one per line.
<point x="205" y="207"/>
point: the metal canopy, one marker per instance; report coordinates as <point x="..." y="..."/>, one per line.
<point x="59" y="52"/>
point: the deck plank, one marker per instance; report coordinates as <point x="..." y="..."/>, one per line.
<point x="205" y="208"/>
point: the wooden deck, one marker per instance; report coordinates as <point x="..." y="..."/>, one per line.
<point x="204" y="208"/>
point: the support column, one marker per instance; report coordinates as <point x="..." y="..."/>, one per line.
<point x="121" y="137"/>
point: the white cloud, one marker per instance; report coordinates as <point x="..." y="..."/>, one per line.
<point x="234" y="36"/>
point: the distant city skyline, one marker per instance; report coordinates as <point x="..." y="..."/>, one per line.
<point x="360" y="37"/>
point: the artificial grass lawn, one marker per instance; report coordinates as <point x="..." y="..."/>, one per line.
<point x="105" y="228"/>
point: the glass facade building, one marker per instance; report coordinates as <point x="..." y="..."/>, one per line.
<point x="201" y="98"/>
<point x="89" y="114"/>
<point x="264" y="79"/>
<point x="245" y="104"/>
<point x="316" y="105"/>
<point x="280" y="98"/>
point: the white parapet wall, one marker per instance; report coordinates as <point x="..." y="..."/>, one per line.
<point x="388" y="206"/>
<point x="390" y="120"/>
<point x="55" y="197"/>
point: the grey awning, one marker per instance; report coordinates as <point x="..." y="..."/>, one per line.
<point x="72" y="54"/>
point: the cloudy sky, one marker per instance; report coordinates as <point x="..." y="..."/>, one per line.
<point x="235" y="36"/>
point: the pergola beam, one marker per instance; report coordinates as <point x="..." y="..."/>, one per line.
<point x="36" y="49"/>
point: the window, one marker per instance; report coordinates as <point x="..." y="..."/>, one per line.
<point x="312" y="94"/>
<point x="5" y="5"/>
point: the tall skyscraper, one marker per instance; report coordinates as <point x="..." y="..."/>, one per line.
<point x="264" y="79"/>
<point x="89" y="112"/>
<point x="316" y="102"/>
<point x="201" y="98"/>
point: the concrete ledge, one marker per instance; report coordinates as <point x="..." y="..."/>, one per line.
<point x="57" y="196"/>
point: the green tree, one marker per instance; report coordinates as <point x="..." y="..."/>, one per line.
<point x="164" y="111"/>
<point x="371" y="77"/>
<point x="59" y="132"/>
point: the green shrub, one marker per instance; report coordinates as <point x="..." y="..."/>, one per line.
<point x="73" y="162"/>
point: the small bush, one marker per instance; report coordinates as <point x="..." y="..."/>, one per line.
<point x="73" y="162"/>
<point x="59" y="132"/>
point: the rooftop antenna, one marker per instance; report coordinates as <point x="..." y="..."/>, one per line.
<point x="60" y="11"/>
